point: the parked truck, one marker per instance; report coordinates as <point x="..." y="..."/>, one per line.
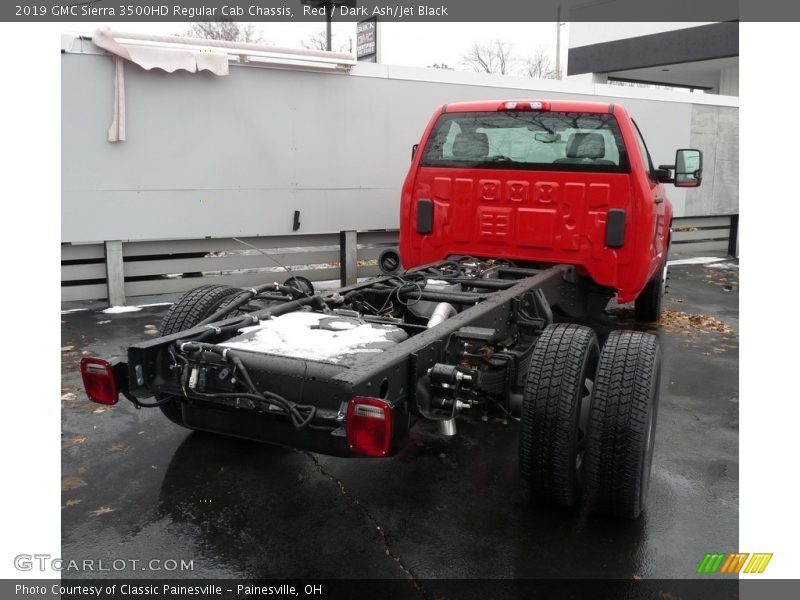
<point x="517" y="217"/>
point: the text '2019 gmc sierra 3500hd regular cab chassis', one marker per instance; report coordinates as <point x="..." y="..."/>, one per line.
<point x="511" y="211"/>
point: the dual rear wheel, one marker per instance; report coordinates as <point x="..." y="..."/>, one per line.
<point x="588" y="418"/>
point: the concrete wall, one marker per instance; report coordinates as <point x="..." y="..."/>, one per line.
<point x="237" y="155"/>
<point x="715" y="131"/>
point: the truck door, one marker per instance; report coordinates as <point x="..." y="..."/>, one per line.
<point x="658" y="197"/>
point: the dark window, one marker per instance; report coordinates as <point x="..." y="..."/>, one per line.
<point x="527" y="140"/>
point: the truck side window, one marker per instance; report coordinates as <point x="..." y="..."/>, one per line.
<point x="643" y="151"/>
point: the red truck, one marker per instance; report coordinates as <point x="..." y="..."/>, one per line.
<point x="516" y="216"/>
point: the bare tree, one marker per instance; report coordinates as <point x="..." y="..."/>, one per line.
<point x="494" y="57"/>
<point x="226" y="30"/>
<point x="539" y="66"/>
<point x="317" y="41"/>
<point x="442" y="66"/>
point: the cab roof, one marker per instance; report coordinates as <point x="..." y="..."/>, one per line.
<point x="553" y="105"/>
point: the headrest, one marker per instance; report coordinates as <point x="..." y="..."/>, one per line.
<point x="586" y="145"/>
<point x="473" y="146"/>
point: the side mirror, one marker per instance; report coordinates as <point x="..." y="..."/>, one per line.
<point x="414" y="150"/>
<point x="688" y="168"/>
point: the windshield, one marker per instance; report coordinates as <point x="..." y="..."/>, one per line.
<point x="527" y="140"/>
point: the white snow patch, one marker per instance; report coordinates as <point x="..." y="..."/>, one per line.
<point x="723" y="265"/>
<point x="294" y="334"/>
<point x="103" y="322"/>
<point x="342" y="325"/>
<point x="114" y="310"/>
<point x="72" y="310"/>
<point x="697" y="260"/>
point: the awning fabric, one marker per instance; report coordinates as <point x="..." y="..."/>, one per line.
<point x="150" y="57"/>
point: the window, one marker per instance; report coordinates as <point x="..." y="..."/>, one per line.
<point x="527" y="140"/>
<point x="643" y="151"/>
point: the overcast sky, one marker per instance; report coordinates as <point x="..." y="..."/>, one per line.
<point x="411" y="44"/>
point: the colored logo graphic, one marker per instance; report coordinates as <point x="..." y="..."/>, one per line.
<point x="732" y="564"/>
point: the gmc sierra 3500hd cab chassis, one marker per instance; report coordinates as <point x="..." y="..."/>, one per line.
<point x="553" y="214"/>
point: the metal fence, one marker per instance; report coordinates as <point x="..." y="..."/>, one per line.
<point x="119" y="270"/>
<point x="695" y="235"/>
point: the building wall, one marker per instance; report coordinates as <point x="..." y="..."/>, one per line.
<point x="715" y="131"/>
<point x="237" y="155"/>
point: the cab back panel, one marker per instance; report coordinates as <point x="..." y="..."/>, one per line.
<point x="541" y="216"/>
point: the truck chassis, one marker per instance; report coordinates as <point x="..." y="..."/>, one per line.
<point x="479" y="336"/>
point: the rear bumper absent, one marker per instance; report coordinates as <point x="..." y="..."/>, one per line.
<point x="261" y="427"/>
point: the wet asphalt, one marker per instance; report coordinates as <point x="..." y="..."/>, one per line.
<point x="137" y="487"/>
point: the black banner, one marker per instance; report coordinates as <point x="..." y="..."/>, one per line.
<point x="401" y="10"/>
<point x="712" y="588"/>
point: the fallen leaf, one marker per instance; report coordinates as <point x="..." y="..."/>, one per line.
<point x="73" y="441"/>
<point x="99" y="410"/>
<point x="67" y="348"/>
<point x="81" y="470"/>
<point x="101" y="511"/>
<point x="71" y="483"/>
<point x="73" y="502"/>
<point x="116" y="447"/>
<point x="87" y="353"/>
<point x="68" y="397"/>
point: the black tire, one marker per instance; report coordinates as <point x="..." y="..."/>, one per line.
<point x="555" y="408"/>
<point x="649" y="303"/>
<point x="622" y="426"/>
<point x="191" y="309"/>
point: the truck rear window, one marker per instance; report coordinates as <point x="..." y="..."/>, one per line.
<point x="554" y="141"/>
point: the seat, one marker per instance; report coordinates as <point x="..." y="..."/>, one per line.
<point x="471" y="146"/>
<point x="585" y="148"/>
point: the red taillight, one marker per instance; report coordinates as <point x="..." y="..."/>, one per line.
<point x="369" y="426"/>
<point x="525" y="105"/>
<point x="98" y="380"/>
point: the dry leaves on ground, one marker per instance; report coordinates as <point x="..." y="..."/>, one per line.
<point x="71" y="483"/>
<point x="73" y="441"/>
<point x="101" y="511"/>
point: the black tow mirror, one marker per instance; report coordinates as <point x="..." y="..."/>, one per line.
<point x="688" y="168"/>
<point x="414" y="150"/>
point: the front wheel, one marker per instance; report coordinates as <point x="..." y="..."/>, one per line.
<point x="649" y="303"/>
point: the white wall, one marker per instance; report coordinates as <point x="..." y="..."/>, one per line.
<point x="237" y="155"/>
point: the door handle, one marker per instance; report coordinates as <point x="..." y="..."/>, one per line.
<point x="659" y="199"/>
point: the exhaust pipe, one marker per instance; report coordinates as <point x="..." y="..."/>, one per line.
<point x="442" y="312"/>
<point x="447" y="427"/>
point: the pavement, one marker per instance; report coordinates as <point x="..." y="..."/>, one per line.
<point x="137" y="487"/>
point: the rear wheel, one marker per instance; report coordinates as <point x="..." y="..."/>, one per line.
<point x="555" y="409"/>
<point x="622" y="423"/>
<point x="192" y="308"/>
